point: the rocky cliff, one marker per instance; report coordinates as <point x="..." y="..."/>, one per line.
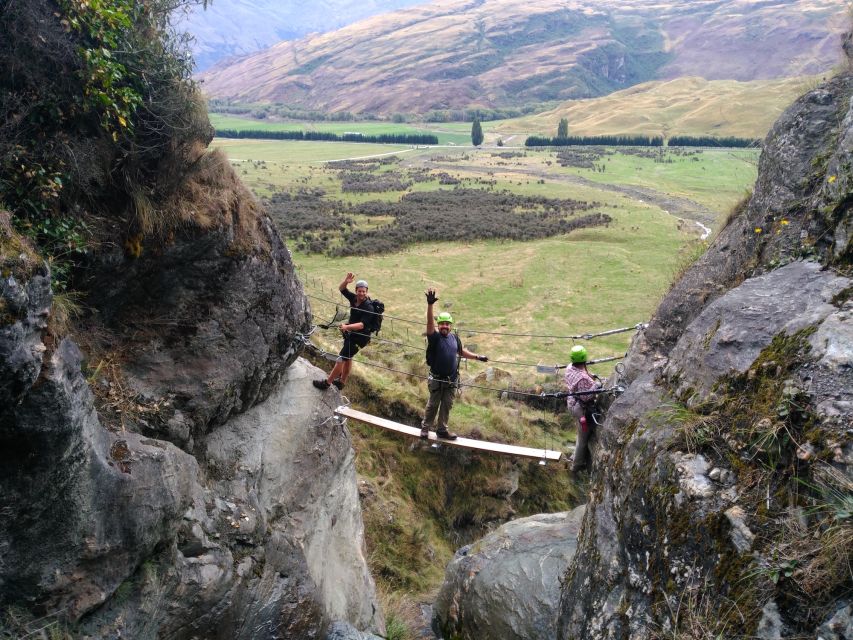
<point x="719" y="504"/>
<point x="176" y="477"/>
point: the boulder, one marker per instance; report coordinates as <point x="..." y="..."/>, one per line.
<point x="345" y="631"/>
<point x="210" y="326"/>
<point x="507" y="585"/>
<point x="730" y="333"/>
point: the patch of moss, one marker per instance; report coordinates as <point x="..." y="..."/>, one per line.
<point x="842" y="296"/>
<point x="711" y="333"/>
<point x="17" y="257"/>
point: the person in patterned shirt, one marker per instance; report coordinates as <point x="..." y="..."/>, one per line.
<point x="577" y="378"/>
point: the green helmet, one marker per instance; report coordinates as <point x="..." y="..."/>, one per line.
<point x="578" y="354"/>
<point x="444" y="316"/>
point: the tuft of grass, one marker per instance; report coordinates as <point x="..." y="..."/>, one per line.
<point x="696" y="614"/>
<point x="402" y="615"/>
<point x="694" y="431"/>
<point x="67" y="305"/>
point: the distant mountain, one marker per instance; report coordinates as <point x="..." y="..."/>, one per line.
<point x="229" y="28"/>
<point x="500" y="53"/>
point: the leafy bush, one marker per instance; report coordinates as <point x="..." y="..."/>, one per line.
<point x="459" y="214"/>
<point x="361" y="182"/>
<point x="100" y="117"/>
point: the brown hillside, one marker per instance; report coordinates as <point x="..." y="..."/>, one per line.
<point x="493" y="53"/>
<point x="684" y="106"/>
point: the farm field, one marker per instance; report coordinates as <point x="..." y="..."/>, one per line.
<point x="447" y="134"/>
<point x="589" y="280"/>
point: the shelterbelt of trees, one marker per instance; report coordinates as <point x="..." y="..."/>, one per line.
<point x="641" y="141"/>
<point x="383" y="138"/>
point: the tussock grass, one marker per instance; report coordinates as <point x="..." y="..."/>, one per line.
<point x="212" y="195"/>
<point x="67" y="306"/>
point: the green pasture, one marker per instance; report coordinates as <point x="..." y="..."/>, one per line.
<point x="267" y="166"/>
<point x="445" y="133"/>
<point x="587" y="281"/>
<point x="584" y="282"/>
<point x="715" y="178"/>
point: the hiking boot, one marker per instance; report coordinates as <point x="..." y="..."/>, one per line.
<point x="320" y="384"/>
<point x="424" y="433"/>
<point x="444" y="434"/>
<point x="338" y="383"/>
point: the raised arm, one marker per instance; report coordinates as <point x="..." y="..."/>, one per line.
<point x="348" y="278"/>
<point x="431" y="300"/>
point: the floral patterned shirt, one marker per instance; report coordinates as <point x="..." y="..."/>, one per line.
<point x="578" y="379"/>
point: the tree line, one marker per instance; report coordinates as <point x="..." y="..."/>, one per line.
<point x="382" y="138"/>
<point x="604" y="141"/>
<point x="712" y="141"/>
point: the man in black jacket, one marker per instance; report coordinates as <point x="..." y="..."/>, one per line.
<point x="356" y="331"/>
<point x="443" y="353"/>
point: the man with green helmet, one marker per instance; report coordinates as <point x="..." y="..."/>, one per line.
<point x="577" y="378"/>
<point x="444" y="350"/>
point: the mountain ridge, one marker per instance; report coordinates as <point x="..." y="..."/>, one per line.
<point x="506" y="53"/>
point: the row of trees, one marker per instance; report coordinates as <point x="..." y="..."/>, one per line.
<point x="603" y="141"/>
<point x="383" y="138"/>
<point x="711" y="141"/>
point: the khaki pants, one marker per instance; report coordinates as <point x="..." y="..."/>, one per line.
<point x="582" y="457"/>
<point x="440" y="402"/>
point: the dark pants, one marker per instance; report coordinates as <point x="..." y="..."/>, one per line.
<point x="582" y="457"/>
<point x="441" y="395"/>
<point x="352" y="343"/>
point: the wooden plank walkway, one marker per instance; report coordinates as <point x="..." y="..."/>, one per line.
<point x="463" y="443"/>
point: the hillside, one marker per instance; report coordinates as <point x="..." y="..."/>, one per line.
<point x="499" y="53"/>
<point x="684" y="106"/>
<point x="229" y="28"/>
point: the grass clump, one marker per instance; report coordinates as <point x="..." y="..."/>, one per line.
<point x="765" y="429"/>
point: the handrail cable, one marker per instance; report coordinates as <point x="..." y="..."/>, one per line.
<point x="413" y="347"/>
<point x="583" y="336"/>
<point x="564" y="394"/>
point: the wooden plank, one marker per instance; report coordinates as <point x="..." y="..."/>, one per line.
<point x="463" y="443"/>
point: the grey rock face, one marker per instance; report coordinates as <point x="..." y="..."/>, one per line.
<point x="211" y="329"/>
<point x="731" y="331"/>
<point x="82" y="506"/>
<point x="21" y="348"/>
<point x="256" y="535"/>
<point x="285" y="478"/>
<point x="666" y="526"/>
<point x="507" y="585"/>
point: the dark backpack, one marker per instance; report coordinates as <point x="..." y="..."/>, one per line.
<point x="378" y="309"/>
<point x="430" y="350"/>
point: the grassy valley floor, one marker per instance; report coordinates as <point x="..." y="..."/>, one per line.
<point x="420" y="504"/>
